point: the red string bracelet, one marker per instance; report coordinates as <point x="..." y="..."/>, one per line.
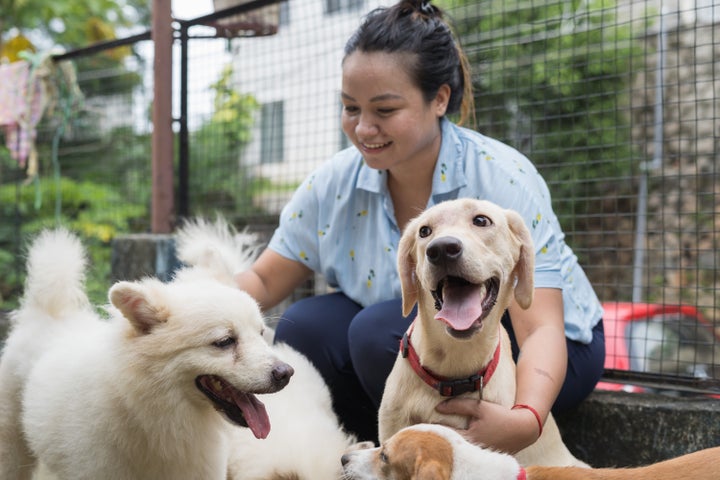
<point x="534" y="412"/>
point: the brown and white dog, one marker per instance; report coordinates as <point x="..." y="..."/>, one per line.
<point x="434" y="452"/>
<point x="462" y="261"/>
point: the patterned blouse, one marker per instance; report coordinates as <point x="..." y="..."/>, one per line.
<point x="340" y="222"/>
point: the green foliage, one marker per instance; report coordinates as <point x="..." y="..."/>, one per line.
<point x="66" y="23"/>
<point x="219" y="181"/>
<point x="548" y="78"/>
<point x="95" y="211"/>
<point x="77" y="24"/>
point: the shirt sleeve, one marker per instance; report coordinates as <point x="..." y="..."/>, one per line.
<point x="296" y="236"/>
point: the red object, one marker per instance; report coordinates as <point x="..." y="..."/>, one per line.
<point x="445" y="386"/>
<point x="619" y="316"/>
<point x="534" y="412"/>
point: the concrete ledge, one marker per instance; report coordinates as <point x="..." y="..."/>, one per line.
<point x="618" y="429"/>
<point x="136" y="256"/>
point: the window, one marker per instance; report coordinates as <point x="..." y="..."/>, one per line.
<point x="333" y="6"/>
<point x="271" y="133"/>
<point x="284" y="19"/>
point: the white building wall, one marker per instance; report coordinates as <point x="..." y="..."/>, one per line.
<point x="301" y="66"/>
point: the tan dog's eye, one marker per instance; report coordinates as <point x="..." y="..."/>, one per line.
<point x="424" y="231"/>
<point x="383" y="456"/>
<point x="482" y="221"/>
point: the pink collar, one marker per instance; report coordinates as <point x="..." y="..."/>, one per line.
<point x="521" y="474"/>
<point x="448" y="387"/>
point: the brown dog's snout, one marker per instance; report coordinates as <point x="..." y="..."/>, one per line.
<point x="443" y="250"/>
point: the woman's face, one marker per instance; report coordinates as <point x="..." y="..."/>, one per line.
<point x="384" y="113"/>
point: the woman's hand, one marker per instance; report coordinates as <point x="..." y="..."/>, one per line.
<point x="539" y="376"/>
<point x="492" y="425"/>
<point x="271" y="278"/>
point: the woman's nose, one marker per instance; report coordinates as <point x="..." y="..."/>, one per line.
<point x="366" y="126"/>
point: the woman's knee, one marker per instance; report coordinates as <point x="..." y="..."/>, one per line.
<point x="585" y="367"/>
<point x="373" y="339"/>
<point x="317" y="327"/>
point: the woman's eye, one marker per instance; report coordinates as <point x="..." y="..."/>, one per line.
<point x="225" y="342"/>
<point x="350" y="109"/>
<point x="424" y="231"/>
<point x="386" y="111"/>
<point x="481" y="221"/>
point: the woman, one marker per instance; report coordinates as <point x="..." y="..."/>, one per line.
<point x="402" y="74"/>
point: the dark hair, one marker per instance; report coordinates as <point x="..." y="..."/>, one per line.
<point x="418" y="28"/>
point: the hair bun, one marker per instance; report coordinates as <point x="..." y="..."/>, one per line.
<point x="427" y="8"/>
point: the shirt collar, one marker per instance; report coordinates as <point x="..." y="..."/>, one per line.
<point x="371" y="179"/>
<point x="449" y="170"/>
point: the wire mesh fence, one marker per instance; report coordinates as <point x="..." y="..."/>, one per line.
<point x="615" y="102"/>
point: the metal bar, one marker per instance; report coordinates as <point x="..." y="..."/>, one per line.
<point x="645" y="167"/>
<point x="663" y="382"/>
<point x="162" y="134"/>
<point x="183" y="193"/>
<point x="102" y="46"/>
<point x="246" y="7"/>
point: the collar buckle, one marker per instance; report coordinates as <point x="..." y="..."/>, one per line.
<point x="452" y="388"/>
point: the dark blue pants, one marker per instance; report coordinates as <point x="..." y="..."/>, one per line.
<point x="354" y="349"/>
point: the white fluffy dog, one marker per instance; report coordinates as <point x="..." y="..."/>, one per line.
<point x="306" y="441"/>
<point x="135" y="396"/>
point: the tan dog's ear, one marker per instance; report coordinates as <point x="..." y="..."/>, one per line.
<point x="406" y="268"/>
<point x="525" y="267"/>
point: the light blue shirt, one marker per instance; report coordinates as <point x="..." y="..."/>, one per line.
<point x="340" y="222"/>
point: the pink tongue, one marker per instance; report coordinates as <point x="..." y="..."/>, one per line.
<point x="462" y="305"/>
<point x="255" y="414"/>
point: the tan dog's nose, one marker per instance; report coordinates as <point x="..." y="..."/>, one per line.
<point x="444" y="250"/>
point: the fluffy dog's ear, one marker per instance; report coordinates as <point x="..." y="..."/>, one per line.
<point x="525" y="266"/>
<point x="406" y="269"/>
<point x="132" y="300"/>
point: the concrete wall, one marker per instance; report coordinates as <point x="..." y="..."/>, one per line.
<point x="618" y="429"/>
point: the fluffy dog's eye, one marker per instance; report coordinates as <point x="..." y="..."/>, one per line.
<point x="224" y="342"/>
<point x="424" y="231"/>
<point x="482" y="221"/>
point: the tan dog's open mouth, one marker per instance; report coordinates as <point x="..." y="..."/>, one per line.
<point x="240" y="408"/>
<point x="463" y="305"/>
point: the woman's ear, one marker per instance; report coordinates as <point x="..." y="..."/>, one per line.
<point x="441" y="100"/>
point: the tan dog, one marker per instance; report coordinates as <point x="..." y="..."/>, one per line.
<point x="434" y="452"/>
<point x="462" y="261"/>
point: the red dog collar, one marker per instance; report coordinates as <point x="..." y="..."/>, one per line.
<point x="448" y="387"/>
<point x="521" y="474"/>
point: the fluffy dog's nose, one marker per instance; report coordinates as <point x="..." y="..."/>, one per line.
<point x="444" y="249"/>
<point x="281" y="373"/>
